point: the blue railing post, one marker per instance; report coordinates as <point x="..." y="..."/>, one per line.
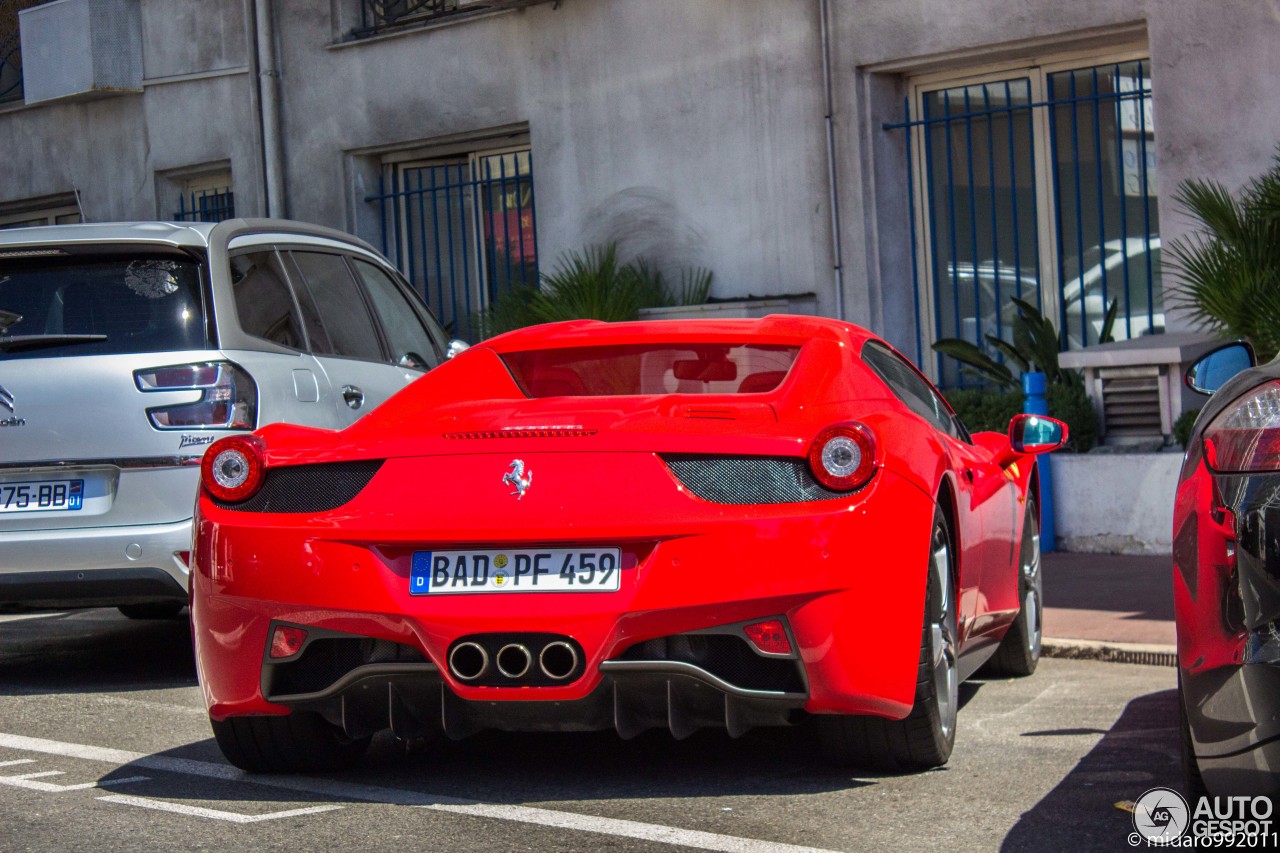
<point x="1033" y="386"/>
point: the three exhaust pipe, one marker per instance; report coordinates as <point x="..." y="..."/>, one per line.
<point x="471" y="662"/>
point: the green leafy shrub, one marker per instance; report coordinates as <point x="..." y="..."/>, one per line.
<point x="985" y="409"/>
<point x="1182" y="426"/>
<point x="1071" y="404"/>
<point x="1227" y="271"/>
<point x="593" y="285"/>
<point x="991" y="409"/>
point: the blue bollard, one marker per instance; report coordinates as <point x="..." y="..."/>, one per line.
<point x="1033" y="385"/>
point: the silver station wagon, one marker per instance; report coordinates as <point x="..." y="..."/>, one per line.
<point x="126" y="349"/>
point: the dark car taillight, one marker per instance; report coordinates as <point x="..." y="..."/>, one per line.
<point x="843" y="456"/>
<point x="233" y="469"/>
<point x="229" y="398"/>
<point x="1245" y="436"/>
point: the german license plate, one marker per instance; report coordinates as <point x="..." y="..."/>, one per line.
<point x="41" y="496"/>
<point x="543" y="570"/>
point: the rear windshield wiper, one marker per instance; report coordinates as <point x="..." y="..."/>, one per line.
<point x="7" y="319"/>
<point x="22" y="343"/>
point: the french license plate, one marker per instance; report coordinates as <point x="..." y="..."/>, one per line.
<point x="545" y="570"/>
<point x="42" y="496"/>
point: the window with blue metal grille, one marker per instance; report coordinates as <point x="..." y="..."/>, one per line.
<point x="213" y="204"/>
<point x="462" y="230"/>
<point x="1038" y="184"/>
<point x="380" y="16"/>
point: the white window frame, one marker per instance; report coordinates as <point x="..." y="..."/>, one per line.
<point x="463" y="153"/>
<point x="1037" y="72"/>
<point x="64" y="214"/>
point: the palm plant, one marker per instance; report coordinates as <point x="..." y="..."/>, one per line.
<point x="1035" y="346"/>
<point x="593" y="284"/>
<point x="1227" y="270"/>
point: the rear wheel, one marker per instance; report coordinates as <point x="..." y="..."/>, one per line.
<point x="1019" y="651"/>
<point x="153" y="610"/>
<point x="298" y="743"/>
<point x="924" y="738"/>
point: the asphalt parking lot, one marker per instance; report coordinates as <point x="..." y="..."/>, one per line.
<point x="104" y="744"/>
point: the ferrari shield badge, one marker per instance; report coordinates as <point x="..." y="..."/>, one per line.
<point x="517" y="478"/>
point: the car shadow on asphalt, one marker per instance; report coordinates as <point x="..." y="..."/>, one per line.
<point x="1139" y="752"/>
<point x="550" y="767"/>
<point x="92" y="651"/>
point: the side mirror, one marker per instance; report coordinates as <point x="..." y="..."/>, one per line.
<point x="456" y="346"/>
<point x="1036" y="434"/>
<point x="1215" y="367"/>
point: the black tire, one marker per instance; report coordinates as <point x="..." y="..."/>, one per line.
<point x="925" y="737"/>
<point x="298" y="743"/>
<point x="153" y="610"/>
<point x="1192" y="780"/>
<point x="1019" y="651"/>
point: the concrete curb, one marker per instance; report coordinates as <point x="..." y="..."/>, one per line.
<point x="1141" y="653"/>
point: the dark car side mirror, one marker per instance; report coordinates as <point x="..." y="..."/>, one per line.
<point x="1036" y="434"/>
<point x="1215" y="367"/>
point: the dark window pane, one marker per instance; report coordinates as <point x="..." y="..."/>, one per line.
<point x="405" y="325"/>
<point x="264" y="302"/>
<point x="908" y="386"/>
<point x="1105" y="173"/>
<point x="144" y="304"/>
<point x="340" y="312"/>
<point x="651" y="369"/>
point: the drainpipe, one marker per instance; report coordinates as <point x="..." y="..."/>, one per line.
<point x="269" y="106"/>
<point x="832" y="186"/>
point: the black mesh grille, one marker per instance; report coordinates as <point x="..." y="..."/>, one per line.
<point x="726" y="657"/>
<point x="748" y="479"/>
<point x="326" y="660"/>
<point x="308" y="488"/>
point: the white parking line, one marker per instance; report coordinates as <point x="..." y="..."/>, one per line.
<point x="23" y="617"/>
<point x="393" y="796"/>
<point x="215" y="814"/>
<point x="27" y="780"/>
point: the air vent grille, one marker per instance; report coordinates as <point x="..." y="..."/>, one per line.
<point x="1131" y="401"/>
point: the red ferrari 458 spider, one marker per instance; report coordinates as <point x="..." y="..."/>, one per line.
<point x="590" y="525"/>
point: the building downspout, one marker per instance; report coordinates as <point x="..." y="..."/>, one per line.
<point x="269" y="108"/>
<point x="832" y="184"/>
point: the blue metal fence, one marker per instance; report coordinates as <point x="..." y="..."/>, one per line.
<point x="210" y="205"/>
<point x="980" y="149"/>
<point x="464" y="233"/>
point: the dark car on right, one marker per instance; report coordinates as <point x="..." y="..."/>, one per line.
<point x="1226" y="578"/>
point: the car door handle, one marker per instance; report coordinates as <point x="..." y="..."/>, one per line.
<point x="353" y="396"/>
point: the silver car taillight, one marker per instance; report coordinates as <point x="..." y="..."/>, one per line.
<point x="229" y="399"/>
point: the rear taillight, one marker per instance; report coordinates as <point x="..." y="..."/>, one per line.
<point x="232" y="469"/>
<point x="287" y="641"/>
<point x="769" y="637"/>
<point x="228" y="400"/>
<point x="1245" y="436"/>
<point x="843" y="456"/>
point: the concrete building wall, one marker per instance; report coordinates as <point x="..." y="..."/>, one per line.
<point x="198" y="106"/>
<point x="691" y="130"/>
<point x="685" y="133"/>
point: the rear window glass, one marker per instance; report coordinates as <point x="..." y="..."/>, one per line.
<point x="651" y="369"/>
<point x="100" y="307"/>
